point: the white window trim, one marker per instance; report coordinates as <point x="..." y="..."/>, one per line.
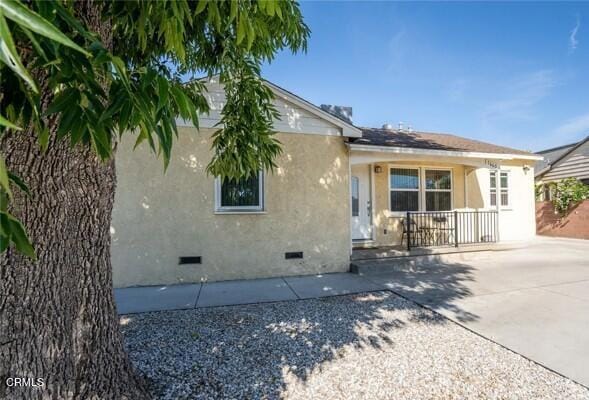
<point x="421" y="200"/>
<point x="259" y="209"/>
<point x="498" y="189"/>
<point x="419" y="196"/>
<point x="451" y="190"/>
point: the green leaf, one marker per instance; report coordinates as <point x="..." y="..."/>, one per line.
<point x="270" y="7"/>
<point x="233" y="11"/>
<point x="17" y="234"/>
<point x="240" y="30"/>
<point x="4" y="241"/>
<point x="19" y="182"/>
<point x="251" y="35"/>
<point x="43" y="137"/>
<point x="4" y="182"/>
<point x="9" y="55"/>
<point x="22" y="15"/>
<point x="64" y="101"/>
<point x="202" y="4"/>
<point x="8" y="124"/>
<point x="163" y="91"/>
<point x="278" y="10"/>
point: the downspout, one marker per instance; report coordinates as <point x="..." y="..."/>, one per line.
<point x="498" y="201"/>
<point x="350" y="198"/>
<point x="465" y="188"/>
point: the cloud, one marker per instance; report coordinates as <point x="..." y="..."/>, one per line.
<point x="574" y="126"/>
<point x="521" y="96"/>
<point x="573" y="42"/>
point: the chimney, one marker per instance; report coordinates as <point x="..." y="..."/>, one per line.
<point x="342" y="112"/>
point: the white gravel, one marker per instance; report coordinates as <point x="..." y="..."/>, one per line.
<point x="368" y="346"/>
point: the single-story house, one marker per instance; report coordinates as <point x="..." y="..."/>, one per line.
<point x="337" y="187"/>
<point x="568" y="161"/>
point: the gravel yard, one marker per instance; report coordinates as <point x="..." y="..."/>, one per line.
<point x="368" y="346"/>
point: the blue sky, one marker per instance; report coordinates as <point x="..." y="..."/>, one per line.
<point x="515" y="74"/>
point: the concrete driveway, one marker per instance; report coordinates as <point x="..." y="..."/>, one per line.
<point x="533" y="300"/>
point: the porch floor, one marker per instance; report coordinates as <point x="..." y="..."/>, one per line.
<point x="381" y="252"/>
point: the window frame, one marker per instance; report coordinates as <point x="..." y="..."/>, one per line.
<point x="391" y="189"/>
<point x="421" y="184"/>
<point x="425" y="189"/>
<point x="500" y="190"/>
<point x="257" y="209"/>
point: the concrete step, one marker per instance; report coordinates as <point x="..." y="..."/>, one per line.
<point x="405" y="263"/>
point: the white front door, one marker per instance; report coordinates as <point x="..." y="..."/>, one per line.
<point x="361" y="204"/>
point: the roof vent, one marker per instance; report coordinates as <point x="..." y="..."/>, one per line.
<point x="401" y="126"/>
<point x="342" y="112"/>
<point x="388" y="127"/>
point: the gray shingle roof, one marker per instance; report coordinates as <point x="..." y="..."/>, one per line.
<point x="551" y="155"/>
<point x="429" y="140"/>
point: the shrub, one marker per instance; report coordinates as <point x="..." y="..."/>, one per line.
<point x="568" y="192"/>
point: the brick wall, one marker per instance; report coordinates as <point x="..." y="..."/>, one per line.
<point x="574" y="225"/>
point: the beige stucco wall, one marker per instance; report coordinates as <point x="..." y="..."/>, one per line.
<point x="159" y="217"/>
<point x="516" y="222"/>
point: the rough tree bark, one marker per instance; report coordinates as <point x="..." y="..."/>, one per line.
<point x="57" y="315"/>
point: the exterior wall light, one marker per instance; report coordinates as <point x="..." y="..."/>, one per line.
<point x="377" y="169"/>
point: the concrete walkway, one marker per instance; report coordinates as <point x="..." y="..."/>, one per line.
<point x="180" y="297"/>
<point x="533" y="300"/>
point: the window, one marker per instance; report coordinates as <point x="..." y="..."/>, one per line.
<point x="438" y="190"/>
<point x="355" y="197"/>
<point x="240" y="195"/>
<point x="404" y="183"/>
<point x="503" y="188"/>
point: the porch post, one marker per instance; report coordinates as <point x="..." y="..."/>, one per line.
<point x="455" y="228"/>
<point x="408" y="228"/>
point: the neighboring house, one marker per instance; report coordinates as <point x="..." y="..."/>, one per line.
<point x="336" y="186"/>
<point x="569" y="161"/>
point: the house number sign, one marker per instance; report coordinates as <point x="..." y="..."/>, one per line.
<point x="491" y="164"/>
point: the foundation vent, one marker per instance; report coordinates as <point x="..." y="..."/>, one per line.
<point x="294" y="254"/>
<point x="190" y="260"/>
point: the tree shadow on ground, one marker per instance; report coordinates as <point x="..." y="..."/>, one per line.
<point x="259" y="351"/>
<point x="433" y="283"/>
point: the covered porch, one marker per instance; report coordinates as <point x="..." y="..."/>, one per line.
<point x="414" y="200"/>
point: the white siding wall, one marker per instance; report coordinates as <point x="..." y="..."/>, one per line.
<point x="293" y="119"/>
<point x="575" y="165"/>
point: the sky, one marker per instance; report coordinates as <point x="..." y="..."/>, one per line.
<point x="514" y="74"/>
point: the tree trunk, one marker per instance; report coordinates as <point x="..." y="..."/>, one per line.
<point x="58" y="321"/>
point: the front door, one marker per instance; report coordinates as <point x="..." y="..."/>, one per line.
<point x="361" y="204"/>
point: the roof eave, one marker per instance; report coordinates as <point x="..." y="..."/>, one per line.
<point x="445" y="153"/>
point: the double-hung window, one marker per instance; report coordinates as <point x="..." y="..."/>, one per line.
<point x="438" y="190"/>
<point x="241" y="195"/>
<point x="404" y="184"/>
<point x="499" y="187"/>
<point x="420" y="189"/>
